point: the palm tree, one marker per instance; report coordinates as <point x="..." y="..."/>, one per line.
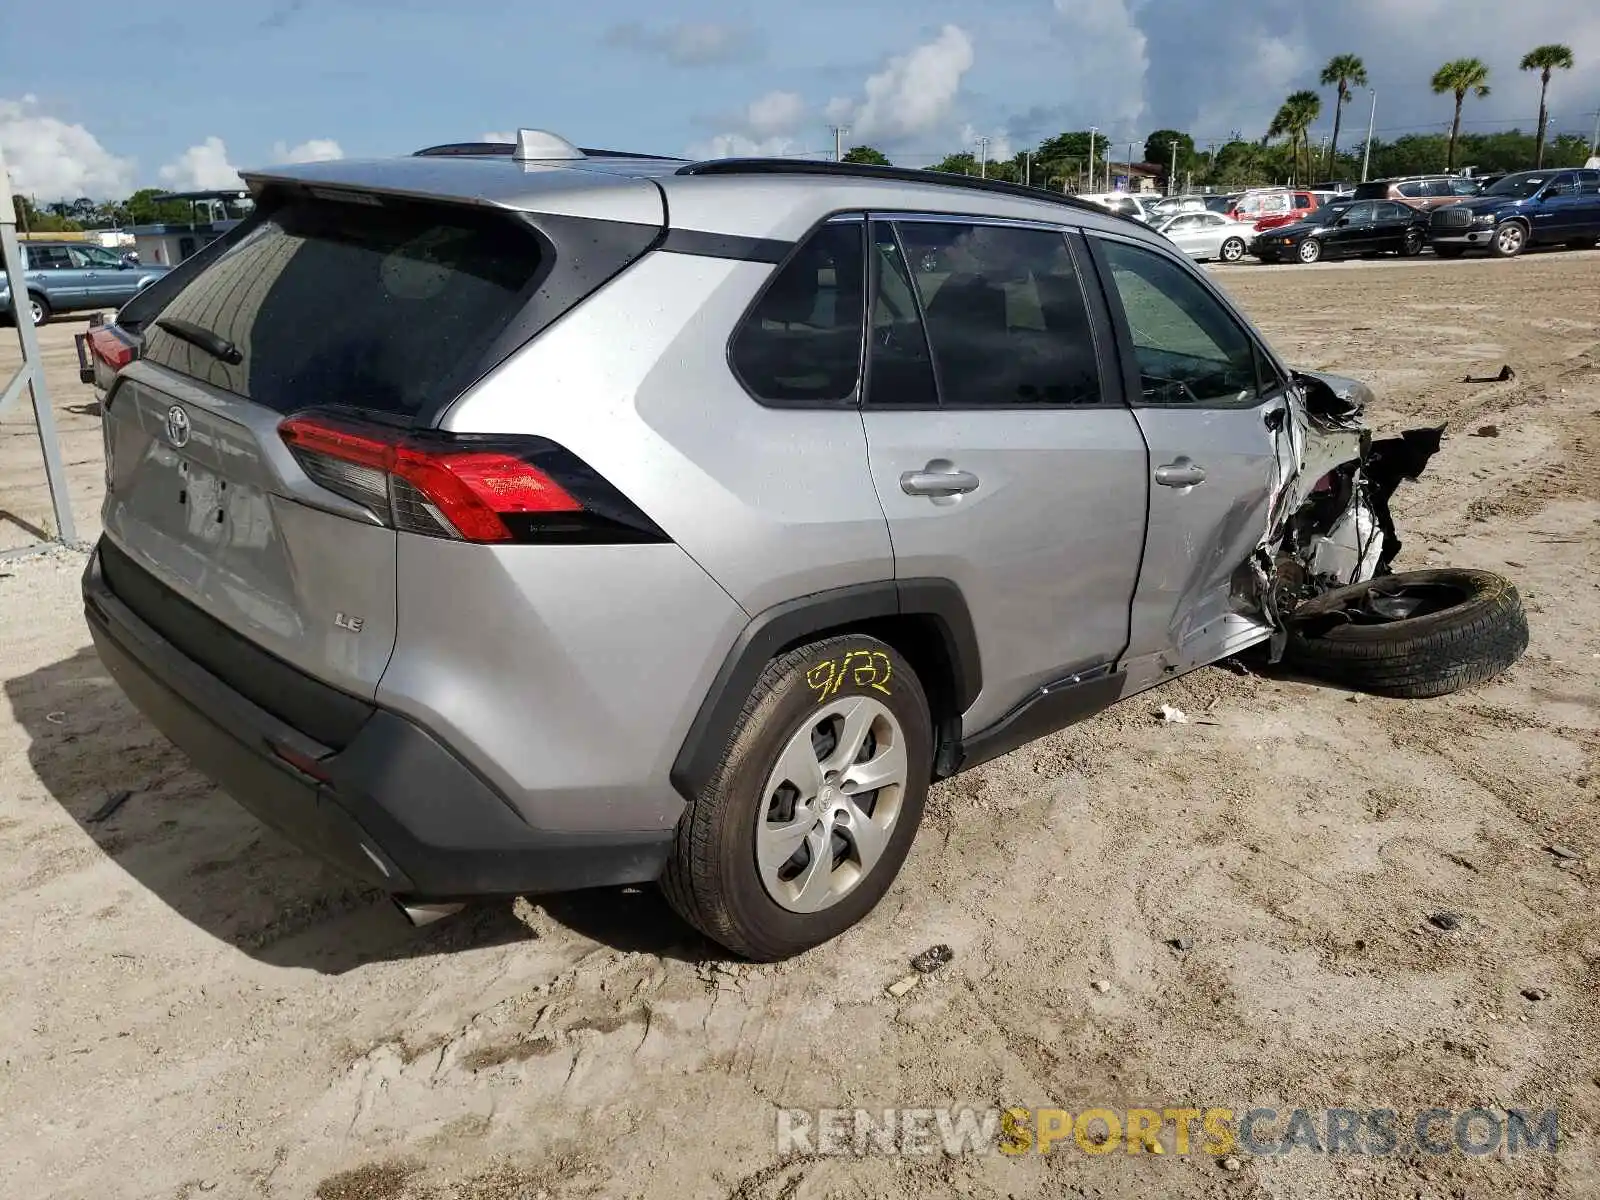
<point x="1545" y="59"/>
<point x="1296" y="116"/>
<point x="1343" y="71"/>
<point x="1461" y="76"/>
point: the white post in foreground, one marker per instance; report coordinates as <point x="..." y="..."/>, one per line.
<point x="31" y="374"/>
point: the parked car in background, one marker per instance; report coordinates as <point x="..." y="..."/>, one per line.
<point x="1268" y="208"/>
<point x="1222" y="204"/>
<point x="1123" y="204"/>
<point x="1172" y="206"/>
<point x="1345" y="228"/>
<point x="72" y="276"/>
<point x="1206" y="235"/>
<point x="1422" y="192"/>
<point x="1530" y="208"/>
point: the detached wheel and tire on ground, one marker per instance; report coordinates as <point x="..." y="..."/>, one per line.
<point x="1412" y="635"/>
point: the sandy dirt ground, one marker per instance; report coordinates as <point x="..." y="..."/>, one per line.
<point x="189" y="1007"/>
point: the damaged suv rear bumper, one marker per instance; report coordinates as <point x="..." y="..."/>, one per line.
<point x="394" y="807"/>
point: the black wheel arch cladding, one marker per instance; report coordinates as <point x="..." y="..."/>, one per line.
<point x="936" y="604"/>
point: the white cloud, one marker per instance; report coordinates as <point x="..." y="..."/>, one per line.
<point x="738" y="145"/>
<point x="775" y="114"/>
<point x="915" y="92"/>
<point x="688" y="43"/>
<point x="202" y="168"/>
<point x="315" y="150"/>
<point x="51" y="159"/>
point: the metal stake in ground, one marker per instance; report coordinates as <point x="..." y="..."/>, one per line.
<point x="31" y="373"/>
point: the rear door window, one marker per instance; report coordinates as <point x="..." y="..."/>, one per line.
<point x="1005" y="315"/>
<point x="801" y="342"/>
<point x="49" y="258"/>
<point x="386" y="308"/>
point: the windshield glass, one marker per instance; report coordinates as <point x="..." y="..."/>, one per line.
<point x="1519" y="186"/>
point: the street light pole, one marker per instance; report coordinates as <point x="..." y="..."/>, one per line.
<point x="1372" y="121"/>
<point x="1172" y="175"/>
<point x="983" y="158"/>
<point x="1094" y="133"/>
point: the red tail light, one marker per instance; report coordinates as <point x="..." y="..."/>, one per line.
<point x="474" y="489"/>
<point x="110" y="348"/>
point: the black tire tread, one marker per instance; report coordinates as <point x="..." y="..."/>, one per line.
<point x="688" y="880"/>
<point x="1429" y="656"/>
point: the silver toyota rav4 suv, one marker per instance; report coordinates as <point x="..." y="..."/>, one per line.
<point x="522" y="518"/>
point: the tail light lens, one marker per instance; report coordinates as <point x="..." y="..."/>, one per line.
<point x="474" y="489"/>
<point x="110" y="347"/>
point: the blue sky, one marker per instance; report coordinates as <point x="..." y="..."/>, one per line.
<point x="180" y="94"/>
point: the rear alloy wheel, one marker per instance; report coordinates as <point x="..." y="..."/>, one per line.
<point x="1232" y="250"/>
<point x="39" y="307"/>
<point x="1411" y="635"/>
<point x="1412" y="245"/>
<point x="1310" y="251"/>
<point x="808" y="820"/>
<point x="1510" y="240"/>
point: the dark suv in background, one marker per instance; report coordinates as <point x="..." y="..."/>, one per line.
<point x="1530" y="208"/>
<point x="1422" y="192"/>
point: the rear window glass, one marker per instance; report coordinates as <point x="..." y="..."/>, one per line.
<point x="801" y="343"/>
<point x="380" y="307"/>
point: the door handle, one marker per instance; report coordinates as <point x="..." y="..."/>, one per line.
<point x="1181" y="473"/>
<point x="938" y="483"/>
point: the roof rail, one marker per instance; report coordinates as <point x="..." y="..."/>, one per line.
<point x="506" y="149"/>
<point x="793" y="166"/>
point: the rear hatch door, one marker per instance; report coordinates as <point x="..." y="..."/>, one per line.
<point x="382" y="308"/>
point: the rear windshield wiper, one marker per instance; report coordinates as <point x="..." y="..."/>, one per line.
<point x="213" y="344"/>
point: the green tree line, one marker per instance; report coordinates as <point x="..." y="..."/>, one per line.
<point x="1285" y="154"/>
<point x="72" y="216"/>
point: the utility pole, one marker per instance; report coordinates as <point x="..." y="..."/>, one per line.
<point x="1372" y="120"/>
<point x="1322" y="157"/>
<point x="1094" y="136"/>
<point x="1594" y="142"/>
<point x="1172" y="174"/>
<point x="1130" y="166"/>
<point x="1027" y="168"/>
<point x="838" y="141"/>
<point x="983" y="158"/>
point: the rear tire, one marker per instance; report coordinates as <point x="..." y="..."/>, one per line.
<point x="1412" y="245"/>
<point x="1510" y="240"/>
<point x="40" y="308"/>
<point x="743" y="871"/>
<point x="1232" y="250"/>
<point x="1452" y="645"/>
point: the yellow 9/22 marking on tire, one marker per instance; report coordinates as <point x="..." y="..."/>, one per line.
<point x="868" y="668"/>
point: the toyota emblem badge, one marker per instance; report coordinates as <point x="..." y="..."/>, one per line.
<point x="177" y="427"/>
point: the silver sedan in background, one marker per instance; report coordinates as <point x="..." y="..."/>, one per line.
<point x="1204" y="235"/>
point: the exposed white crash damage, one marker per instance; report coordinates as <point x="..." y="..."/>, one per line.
<point x="1329" y="523"/>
